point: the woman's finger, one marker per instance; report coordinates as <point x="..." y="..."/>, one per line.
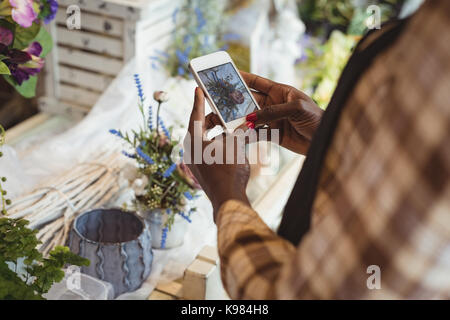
<point x="260" y="98"/>
<point x="212" y="120"/>
<point x="258" y="83"/>
<point x="198" y="113"/>
<point x="253" y="135"/>
<point x="274" y="112"/>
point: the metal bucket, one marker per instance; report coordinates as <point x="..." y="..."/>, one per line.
<point x="118" y="244"/>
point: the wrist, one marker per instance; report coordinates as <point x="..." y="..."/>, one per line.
<point x="220" y="200"/>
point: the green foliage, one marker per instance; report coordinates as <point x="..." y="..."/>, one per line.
<point x="3" y="200"/>
<point x="324" y="16"/>
<point x="46" y="41"/>
<point x="24" y="36"/>
<point x="27" y="89"/>
<point x="4" y="68"/>
<point x="18" y="247"/>
<point x="339" y="24"/>
<point x="323" y="66"/>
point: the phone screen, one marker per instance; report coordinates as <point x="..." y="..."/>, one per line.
<point x="228" y="92"/>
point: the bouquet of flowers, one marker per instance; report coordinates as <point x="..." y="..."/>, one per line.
<point x="225" y="93"/>
<point x="24" y="42"/>
<point x="165" y="182"/>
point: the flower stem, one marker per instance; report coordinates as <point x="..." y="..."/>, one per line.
<point x="157" y="119"/>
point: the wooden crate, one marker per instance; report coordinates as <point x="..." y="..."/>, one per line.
<point x="84" y="62"/>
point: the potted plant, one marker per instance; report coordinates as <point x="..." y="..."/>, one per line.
<point x="24" y="273"/>
<point x="164" y="185"/>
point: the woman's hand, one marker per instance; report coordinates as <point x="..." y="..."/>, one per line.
<point x="284" y="108"/>
<point x="219" y="165"/>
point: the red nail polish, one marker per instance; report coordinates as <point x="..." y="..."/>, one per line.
<point x="250" y="124"/>
<point x="252" y="117"/>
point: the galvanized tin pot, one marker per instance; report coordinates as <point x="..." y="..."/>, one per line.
<point x="117" y="243"/>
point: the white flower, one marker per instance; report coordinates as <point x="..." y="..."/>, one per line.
<point x="161" y="96"/>
<point x="139" y="186"/>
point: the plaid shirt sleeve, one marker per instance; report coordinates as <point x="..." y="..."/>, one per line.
<point x="381" y="216"/>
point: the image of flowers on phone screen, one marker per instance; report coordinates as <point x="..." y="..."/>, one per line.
<point x="228" y="92"/>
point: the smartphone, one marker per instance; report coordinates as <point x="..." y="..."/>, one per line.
<point x="225" y="90"/>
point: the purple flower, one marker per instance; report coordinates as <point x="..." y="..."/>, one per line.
<point x="137" y="80"/>
<point x="231" y="37"/>
<point x="23" y="64"/>
<point x="169" y="171"/>
<point x="200" y="19"/>
<point x="52" y="6"/>
<point x="6" y="36"/>
<point x="188" y="195"/>
<point x="166" y="132"/>
<point x="164" y="237"/>
<point x="144" y="156"/>
<point x="185" y="217"/>
<point x="129" y="155"/>
<point x="150" y="118"/>
<point x="116" y="133"/>
<point x="23" y="12"/>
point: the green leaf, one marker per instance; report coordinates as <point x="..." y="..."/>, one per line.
<point x="46" y="41"/>
<point x="27" y="89"/>
<point x="24" y="36"/>
<point x="4" y="68"/>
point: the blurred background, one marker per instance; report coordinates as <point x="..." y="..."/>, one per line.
<point x="305" y="43"/>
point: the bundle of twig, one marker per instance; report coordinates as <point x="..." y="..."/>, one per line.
<point x="55" y="204"/>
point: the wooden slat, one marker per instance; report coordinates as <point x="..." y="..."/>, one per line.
<point x="129" y="10"/>
<point x="111" y="9"/>
<point x="79" y="95"/>
<point x="14" y="134"/>
<point x="89" y="41"/>
<point x="158" y="295"/>
<point x="89" y="61"/>
<point x="94" y="22"/>
<point x="173" y="288"/>
<point x="85" y="79"/>
<point x="51" y="105"/>
<point x="129" y="40"/>
<point x="51" y="73"/>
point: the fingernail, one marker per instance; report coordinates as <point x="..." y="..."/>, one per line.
<point x="252" y="117"/>
<point x="250" y="124"/>
<point x="196" y="90"/>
